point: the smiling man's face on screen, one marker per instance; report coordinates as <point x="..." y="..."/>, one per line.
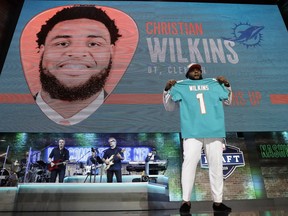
<point x="75" y="60"/>
<point x="77" y="51"/>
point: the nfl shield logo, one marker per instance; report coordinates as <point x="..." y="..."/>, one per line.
<point x="232" y="158"/>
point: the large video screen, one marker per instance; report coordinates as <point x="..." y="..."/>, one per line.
<point x="101" y="67"/>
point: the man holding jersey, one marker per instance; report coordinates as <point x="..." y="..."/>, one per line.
<point x="202" y="125"/>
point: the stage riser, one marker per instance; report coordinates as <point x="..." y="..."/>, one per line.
<point x="8" y="198"/>
<point x="83" y="197"/>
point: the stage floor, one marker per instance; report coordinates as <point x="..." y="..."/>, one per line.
<point x="276" y="207"/>
<point x="129" y="198"/>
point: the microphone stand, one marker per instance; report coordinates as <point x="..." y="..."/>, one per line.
<point x="82" y="156"/>
<point x="27" y="166"/>
<point x="6" y="155"/>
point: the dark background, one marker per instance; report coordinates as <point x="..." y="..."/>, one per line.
<point x="10" y="11"/>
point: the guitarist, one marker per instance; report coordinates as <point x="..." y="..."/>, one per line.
<point x="112" y="158"/>
<point x="94" y="160"/>
<point x="58" y="158"/>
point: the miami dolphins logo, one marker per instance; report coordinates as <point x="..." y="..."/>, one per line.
<point x="247" y="35"/>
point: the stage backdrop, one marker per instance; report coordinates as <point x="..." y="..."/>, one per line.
<point x="245" y="43"/>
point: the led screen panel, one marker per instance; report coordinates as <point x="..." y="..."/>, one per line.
<point x="148" y="44"/>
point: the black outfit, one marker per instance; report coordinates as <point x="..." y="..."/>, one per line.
<point x="59" y="156"/>
<point x="116" y="167"/>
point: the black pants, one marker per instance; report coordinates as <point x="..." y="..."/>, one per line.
<point x="54" y="173"/>
<point x="117" y="173"/>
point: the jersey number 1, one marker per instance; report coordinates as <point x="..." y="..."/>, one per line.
<point x="200" y="98"/>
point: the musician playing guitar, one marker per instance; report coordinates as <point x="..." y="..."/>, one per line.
<point x="58" y="158"/>
<point x="93" y="161"/>
<point x="112" y="158"/>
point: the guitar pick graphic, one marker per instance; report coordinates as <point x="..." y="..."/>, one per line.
<point x="64" y="111"/>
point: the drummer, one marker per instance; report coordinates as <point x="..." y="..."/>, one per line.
<point x="16" y="167"/>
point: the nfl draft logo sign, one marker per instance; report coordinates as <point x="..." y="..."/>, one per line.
<point x="232" y="158"/>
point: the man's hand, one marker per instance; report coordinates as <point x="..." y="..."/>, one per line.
<point x="169" y="84"/>
<point x="107" y="161"/>
<point x="223" y="80"/>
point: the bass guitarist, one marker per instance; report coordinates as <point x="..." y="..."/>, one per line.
<point x="112" y="158"/>
<point x="58" y="158"/>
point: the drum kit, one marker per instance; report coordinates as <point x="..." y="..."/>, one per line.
<point x="7" y="176"/>
<point x="12" y="173"/>
<point x="34" y="172"/>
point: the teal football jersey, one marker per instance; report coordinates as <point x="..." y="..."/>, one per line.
<point x="201" y="107"/>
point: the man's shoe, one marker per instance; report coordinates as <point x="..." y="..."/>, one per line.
<point x="221" y="208"/>
<point x="185" y="207"/>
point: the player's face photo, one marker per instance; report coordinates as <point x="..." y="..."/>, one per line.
<point x="76" y="55"/>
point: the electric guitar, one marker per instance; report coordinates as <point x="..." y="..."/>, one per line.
<point x="56" y="165"/>
<point x="111" y="160"/>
